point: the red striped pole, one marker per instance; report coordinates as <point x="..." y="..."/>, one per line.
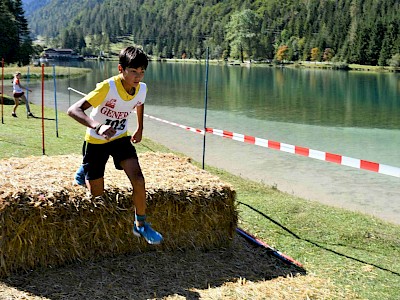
<point x="44" y="152"/>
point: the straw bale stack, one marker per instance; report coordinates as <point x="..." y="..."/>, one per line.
<point x="47" y="221"/>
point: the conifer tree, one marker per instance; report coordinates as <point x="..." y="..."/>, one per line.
<point x="8" y="32"/>
<point x="16" y="41"/>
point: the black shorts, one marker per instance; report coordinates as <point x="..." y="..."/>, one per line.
<point x="95" y="156"/>
<point x="18" y="95"/>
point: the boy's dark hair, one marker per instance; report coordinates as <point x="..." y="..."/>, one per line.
<point x="132" y="57"/>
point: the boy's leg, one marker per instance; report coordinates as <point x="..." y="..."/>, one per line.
<point x="79" y="178"/>
<point x="96" y="186"/>
<point x="95" y="157"/>
<point x="133" y="171"/>
<point x="141" y="228"/>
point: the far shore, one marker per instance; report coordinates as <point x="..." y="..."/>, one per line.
<point x="300" y="64"/>
<point x="35" y="72"/>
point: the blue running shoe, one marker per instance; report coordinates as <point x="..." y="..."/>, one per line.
<point x="149" y="234"/>
<point x="80" y="177"/>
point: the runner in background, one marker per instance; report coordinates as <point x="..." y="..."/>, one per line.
<point x="19" y="94"/>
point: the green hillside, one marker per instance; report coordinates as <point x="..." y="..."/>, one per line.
<point x="353" y="31"/>
<point x="33" y="5"/>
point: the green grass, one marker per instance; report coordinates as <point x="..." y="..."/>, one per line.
<point x="36" y="72"/>
<point x="22" y="137"/>
<point x="354" y="251"/>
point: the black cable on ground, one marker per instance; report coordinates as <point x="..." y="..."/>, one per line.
<point x="316" y="244"/>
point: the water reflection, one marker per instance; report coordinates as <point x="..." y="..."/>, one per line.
<point x="317" y="97"/>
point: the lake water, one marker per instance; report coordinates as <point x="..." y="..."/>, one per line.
<point x="349" y="113"/>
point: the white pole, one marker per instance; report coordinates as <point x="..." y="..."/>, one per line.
<point x="76" y="91"/>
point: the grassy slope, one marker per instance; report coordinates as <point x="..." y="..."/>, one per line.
<point x="357" y="253"/>
<point x="36" y="72"/>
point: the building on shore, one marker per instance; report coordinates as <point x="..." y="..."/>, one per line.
<point x="52" y="54"/>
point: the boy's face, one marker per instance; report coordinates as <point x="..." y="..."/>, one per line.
<point x="132" y="76"/>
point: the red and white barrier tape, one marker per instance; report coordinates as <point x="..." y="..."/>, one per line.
<point x="316" y="154"/>
<point x="201" y="131"/>
<point x="272" y="250"/>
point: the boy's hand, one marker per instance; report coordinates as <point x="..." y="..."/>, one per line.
<point x="136" y="137"/>
<point x="107" y="131"/>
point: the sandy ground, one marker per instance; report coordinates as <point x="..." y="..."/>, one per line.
<point x="169" y="275"/>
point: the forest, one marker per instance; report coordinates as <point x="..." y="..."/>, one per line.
<point x="351" y="31"/>
<point x="15" y="37"/>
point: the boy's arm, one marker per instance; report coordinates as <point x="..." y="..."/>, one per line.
<point x="137" y="136"/>
<point x="77" y="112"/>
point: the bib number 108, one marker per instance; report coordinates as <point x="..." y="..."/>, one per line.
<point x="117" y="124"/>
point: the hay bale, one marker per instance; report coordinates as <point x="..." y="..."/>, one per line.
<point x="47" y="221"/>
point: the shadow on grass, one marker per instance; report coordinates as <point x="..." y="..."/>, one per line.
<point x="318" y="245"/>
<point x="6" y="100"/>
<point x="154" y="274"/>
<point x="10" y="101"/>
